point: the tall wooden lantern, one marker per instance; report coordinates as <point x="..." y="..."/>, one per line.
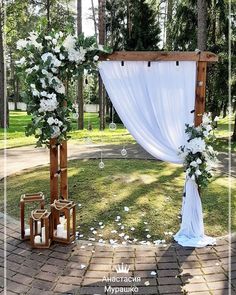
<point x="40" y="228"/>
<point x="63" y="228"/>
<point x="27" y="199"/>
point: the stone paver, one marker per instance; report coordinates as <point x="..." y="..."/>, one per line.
<point x="153" y="270"/>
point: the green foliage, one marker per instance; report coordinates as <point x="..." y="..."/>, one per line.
<point x="132" y="25"/>
<point x="185" y="38"/>
<point x="47" y="63"/>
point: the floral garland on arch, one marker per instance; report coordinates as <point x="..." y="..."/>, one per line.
<point x="198" y="155"/>
<point x="48" y="62"/>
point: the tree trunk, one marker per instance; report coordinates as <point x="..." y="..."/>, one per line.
<point x="202" y="24"/>
<point x="169" y="27"/>
<point x="48" y="14"/>
<point x="80" y="97"/>
<point x="101" y="27"/>
<point x="3" y="99"/>
<point x="234" y="133"/>
<point x="94" y="21"/>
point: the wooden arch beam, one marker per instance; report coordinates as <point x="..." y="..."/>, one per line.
<point x="202" y="58"/>
<point x="160" y="56"/>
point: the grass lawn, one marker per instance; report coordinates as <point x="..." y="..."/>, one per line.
<point x="18" y="120"/>
<point x="151" y="190"/>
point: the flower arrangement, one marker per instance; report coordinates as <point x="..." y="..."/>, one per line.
<point x="198" y="155"/>
<point x="48" y="62"/>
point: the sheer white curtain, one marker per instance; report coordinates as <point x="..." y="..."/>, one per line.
<point x="155" y="102"/>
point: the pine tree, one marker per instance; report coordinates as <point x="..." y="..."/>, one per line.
<point x="144" y="34"/>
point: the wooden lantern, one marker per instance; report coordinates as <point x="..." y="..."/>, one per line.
<point x="63" y="221"/>
<point x="40" y="228"/>
<point x="29" y="198"/>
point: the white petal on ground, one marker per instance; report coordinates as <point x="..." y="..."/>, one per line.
<point x="147" y="283"/>
<point x="153" y="273"/>
<point x="126" y="209"/>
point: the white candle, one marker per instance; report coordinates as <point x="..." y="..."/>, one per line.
<point x="62" y="219"/>
<point x="64" y="234"/>
<point x="39" y="227"/>
<point x="43" y="235"/>
<point x="27" y="232"/>
<point x="37" y="240"/>
<point x="60" y="229"/>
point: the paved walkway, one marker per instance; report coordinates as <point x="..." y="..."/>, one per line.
<point x="82" y="269"/>
<point x="27" y="157"/>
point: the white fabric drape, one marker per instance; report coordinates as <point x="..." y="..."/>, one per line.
<point x="154" y="104"/>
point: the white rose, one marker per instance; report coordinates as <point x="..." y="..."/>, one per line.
<point x="44" y="93"/>
<point x="35" y="93"/>
<point x="96" y="58"/>
<point x="50" y="121"/>
<point x="198" y="172"/>
<point x="54" y="41"/>
<point x="57" y="49"/>
<point x="61" y="56"/>
<point x="199" y="161"/>
<point x="193" y="163"/>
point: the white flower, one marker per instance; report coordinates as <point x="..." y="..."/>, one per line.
<point x="126" y="209"/>
<point x="44" y="93"/>
<point x="46" y="55"/>
<point x="198" y="172"/>
<point x="194" y="164"/>
<point x="205" y="133"/>
<point x="54" y="70"/>
<point x="148" y="236"/>
<point x="196" y="144"/>
<point x="22" y="43"/>
<point x="35" y="92"/>
<point x="199" y="161"/>
<point x="58" y="85"/>
<point x="56" y="132"/>
<point x="61" y="56"/>
<point x="33" y="40"/>
<point x="208" y="128"/>
<point x="43" y="83"/>
<point x="54" y="41"/>
<point x="69" y="42"/>
<point x="48" y="38"/>
<point x="57" y="49"/>
<point x="206" y="119"/>
<point x="48" y="105"/>
<point x="21" y="61"/>
<point x="96" y="58"/>
<point x="216" y="118"/>
<point x="50" y="120"/>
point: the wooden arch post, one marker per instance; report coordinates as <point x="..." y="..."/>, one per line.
<point x="58" y="170"/>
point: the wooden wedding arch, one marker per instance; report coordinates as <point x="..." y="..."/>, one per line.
<point x="58" y="152"/>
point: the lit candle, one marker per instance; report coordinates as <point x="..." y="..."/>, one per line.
<point x="38" y="227"/>
<point x="27" y="232"/>
<point x="37" y="240"/>
<point x="43" y="235"/>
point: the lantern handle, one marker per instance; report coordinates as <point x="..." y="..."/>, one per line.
<point x="42" y="215"/>
<point x="61" y="208"/>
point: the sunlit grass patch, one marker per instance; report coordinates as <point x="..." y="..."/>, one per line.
<point x="152" y="191"/>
